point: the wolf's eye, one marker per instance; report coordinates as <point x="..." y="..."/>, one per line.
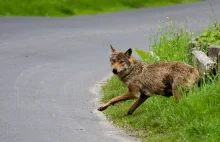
<point x="121" y="62"/>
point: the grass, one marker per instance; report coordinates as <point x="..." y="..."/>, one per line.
<point x="195" y="118"/>
<point x="211" y="35"/>
<point x="168" y="43"/>
<point x="75" y="7"/>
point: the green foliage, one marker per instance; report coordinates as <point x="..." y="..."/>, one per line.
<point x="211" y="35"/>
<point x="74" y="7"/>
<point x="147" y="56"/>
<point x="170" y="41"/>
<point x="194" y="118"/>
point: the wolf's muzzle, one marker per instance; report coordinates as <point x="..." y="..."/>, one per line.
<point x="115" y="71"/>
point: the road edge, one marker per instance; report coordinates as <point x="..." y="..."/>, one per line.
<point x="115" y="131"/>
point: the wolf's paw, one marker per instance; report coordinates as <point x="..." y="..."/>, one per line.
<point x="102" y="108"/>
<point x="128" y="113"/>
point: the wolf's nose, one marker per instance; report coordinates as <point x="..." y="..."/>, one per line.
<point x="115" y="71"/>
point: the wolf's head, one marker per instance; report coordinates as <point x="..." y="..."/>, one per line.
<point x="120" y="61"/>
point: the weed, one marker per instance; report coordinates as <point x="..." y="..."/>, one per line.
<point x="169" y="43"/>
<point x="210" y="35"/>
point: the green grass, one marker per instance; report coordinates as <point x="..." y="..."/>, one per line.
<point x="195" y="118"/>
<point x="168" y="43"/>
<point x="211" y="35"/>
<point x="75" y="7"/>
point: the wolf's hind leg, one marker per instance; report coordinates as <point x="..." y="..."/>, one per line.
<point x="176" y="93"/>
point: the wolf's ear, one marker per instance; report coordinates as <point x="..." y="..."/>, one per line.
<point x="128" y="52"/>
<point x="113" y="49"/>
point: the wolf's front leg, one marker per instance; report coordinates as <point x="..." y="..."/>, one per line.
<point x="142" y="98"/>
<point x="131" y="94"/>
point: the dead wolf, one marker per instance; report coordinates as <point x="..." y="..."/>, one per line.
<point x="163" y="78"/>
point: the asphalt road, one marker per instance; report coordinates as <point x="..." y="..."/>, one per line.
<point x="48" y="64"/>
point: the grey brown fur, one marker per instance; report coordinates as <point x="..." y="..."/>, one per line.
<point x="164" y="78"/>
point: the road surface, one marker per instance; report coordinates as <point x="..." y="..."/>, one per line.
<point x="48" y="64"/>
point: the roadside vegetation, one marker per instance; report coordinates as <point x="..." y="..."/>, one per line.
<point x="195" y="118"/>
<point x="75" y="7"/>
<point x="211" y="35"/>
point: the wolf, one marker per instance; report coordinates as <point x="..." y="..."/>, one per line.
<point x="167" y="78"/>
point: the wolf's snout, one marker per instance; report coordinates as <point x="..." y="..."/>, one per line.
<point x="115" y="71"/>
